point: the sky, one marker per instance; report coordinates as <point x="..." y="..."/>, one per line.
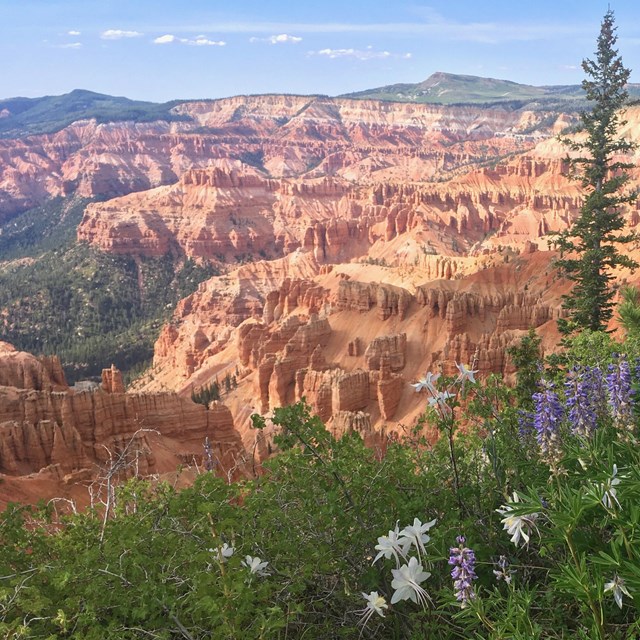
<point x="161" y="50"/>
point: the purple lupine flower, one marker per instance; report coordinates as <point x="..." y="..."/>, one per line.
<point x="546" y="420"/>
<point x="463" y="573"/>
<point x="525" y="424"/>
<point x="636" y="370"/>
<point x="584" y="392"/>
<point x="503" y="572"/>
<point x="598" y="390"/>
<point x="620" y="392"/>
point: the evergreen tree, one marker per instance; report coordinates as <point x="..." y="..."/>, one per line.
<point x="589" y="249"/>
<point x="527" y="358"/>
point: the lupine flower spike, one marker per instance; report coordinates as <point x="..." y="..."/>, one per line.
<point x="583" y="391"/>
<point x="463" y="573"/>
<point x="503" y="572"/>
<point x="620" y="393"/>
<point x="406" y="582"/>
<point x="547" y="418"/>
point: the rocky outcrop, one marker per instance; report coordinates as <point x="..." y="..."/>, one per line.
<point x="112" y="380"/>
<point x="25" y="371"/>
<point x="392" y="348"/>
<point x="388" y="388"/>
<point x="75" y="437"/>
<point x="360" y="296"/>
<point x="74" y="431"/>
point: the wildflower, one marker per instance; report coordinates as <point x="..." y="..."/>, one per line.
<point x="375" y="604"/>
<point x="518" y="527"/>
<point x="463" y="573"/>
<point x="428" y="383"/>
<point x="224" y="552"/>
<point x="609" y="489"/>
<point x="525" y="424"/>
<point x="466" y="374"/>
<point x="618" y="588"/>
<point x="392" y="545"/>
<point x="416" y="534"/>
<point x="439" y="400"/>
<point x="255" y="565"/>
<point x="584" y="391"/>
<point x="503" y="572"/>
<point x="209" y="463"/>
<point x="620" y="393"/>
<point x="546" y="420"/>
<point x="406" y="582"/>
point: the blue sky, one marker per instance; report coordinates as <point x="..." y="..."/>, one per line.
<point x="164" y="49"/>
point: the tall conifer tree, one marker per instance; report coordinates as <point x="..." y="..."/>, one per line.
<point x="589" y="249"/>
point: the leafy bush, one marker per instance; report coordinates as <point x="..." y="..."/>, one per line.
<point x="508" y="527"/>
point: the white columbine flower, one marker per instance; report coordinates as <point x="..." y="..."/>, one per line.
<point x="416" y="534"/>
<point x="224" y="552"/>
<point x="375" y="604"/>
<point x="439" y="402"/>
<point x="392" y="545"/>
<point x="440" y="398"/>
<point x="617" y="586"/>
<point x="609" y="489"/>
<point x="255" y="566"/>
<point x="428" y="383"/>
<point x="518" y="527"/>
<point x="466" y="374"/>
<point x="406" y="582"/>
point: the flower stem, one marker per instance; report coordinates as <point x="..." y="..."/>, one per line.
<point x="596" y="611"/>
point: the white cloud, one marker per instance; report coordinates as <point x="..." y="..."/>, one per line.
<point x="359" y="54"/>
<point x="198" y="41"/>
<point x="166" y="39"/>
<point x="73" y="33"/>
<point x="203" y="41"/>
<point x="281" y="38"/>
<point x="70" y="45"/>
<point x="118" y="34"/>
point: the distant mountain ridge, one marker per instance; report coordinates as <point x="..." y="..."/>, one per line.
<point x="27" y="116"/>
<point x="449" y="88"/>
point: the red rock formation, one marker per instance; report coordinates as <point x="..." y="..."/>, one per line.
<point x="112" y="380"/>
<point x="40" y="428"/>
<point x="392" y="348"/>
<point x="47" y="430"/>
<point x="361" y="296"/>
<point x="388" y="388"/>
<point x="25" y="371"/>
<point x="337" y="137"/>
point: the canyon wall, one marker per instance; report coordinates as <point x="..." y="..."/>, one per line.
<point x="67" y="438"/>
